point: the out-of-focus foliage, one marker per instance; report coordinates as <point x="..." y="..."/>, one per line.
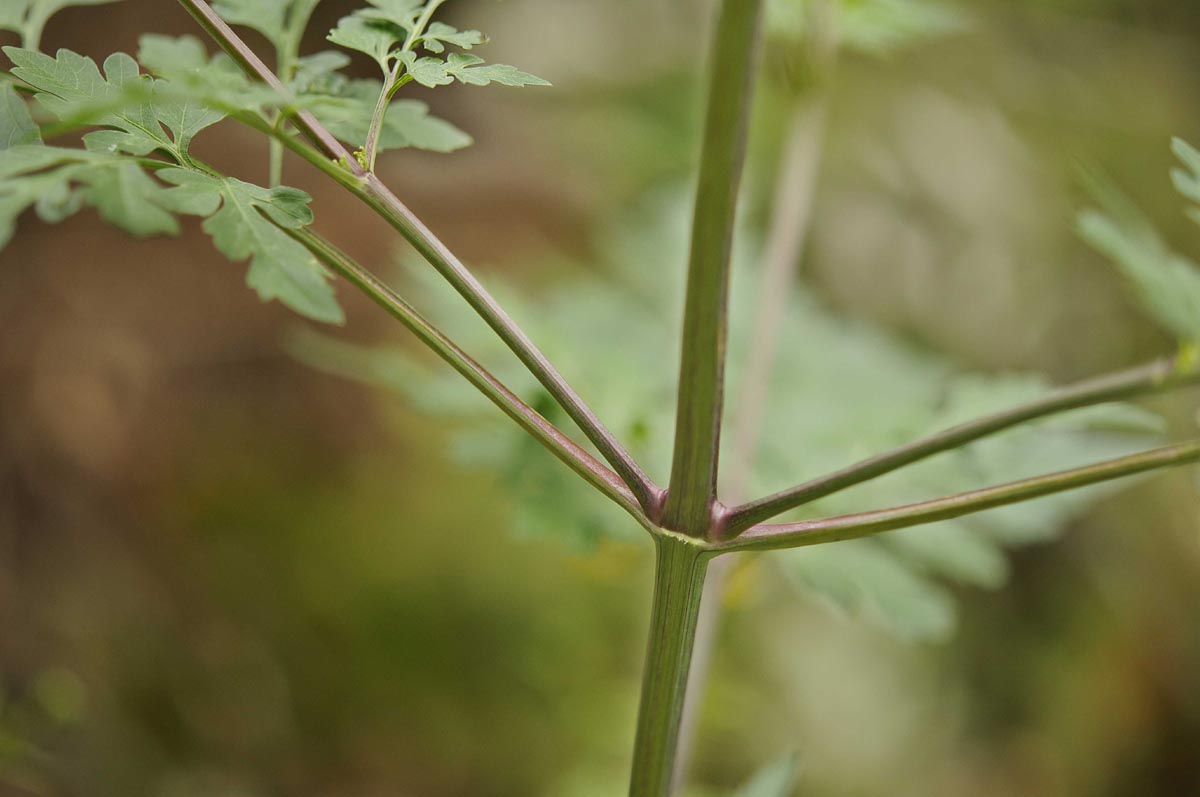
<point x="873" y="26"/>
<point x="1167" y="282"/>
<point x="775" y="780"/>
<point x="391" y="31"/>
<point x="841" y="391"/>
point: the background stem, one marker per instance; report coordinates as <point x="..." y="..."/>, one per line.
<point x="680" y="566"/>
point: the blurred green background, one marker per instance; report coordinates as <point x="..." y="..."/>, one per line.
<point x="224" y="573"/>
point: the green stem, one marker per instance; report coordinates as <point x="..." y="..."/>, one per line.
<point x="287" y="51"/>
<point x="392" y="82"/>
<point x="1156" y="377"/>
<point x="680" y="566"/>
<point x="371" y="146"/>
<point x="691" y="496"/>
<point x="849" y="527"/>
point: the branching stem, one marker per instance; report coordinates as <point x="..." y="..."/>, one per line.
<point x="583" y="463"/>
<point x="848" y="527"/>
<point x="392" y="83"/>
<point x="1155" y="377"/>
<point x="336" y="161"/>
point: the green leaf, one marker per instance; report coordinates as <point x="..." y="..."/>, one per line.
<point x="429" y="72"/>
<point x="877" y="27"/>
<point x="775" y="780"/>
<point x="71" y="87"/>
<point x="375" y="37"/>
<point x="439" y="34"/>
<point x="347" y="108"/>
<point x="242" y="220"/>
<point x="318" y="73"/>
<point x="860" y="577"/>
<point x="16" y="125"/>
<point x="469" y="69"/>
<point x="268" y="17"/>
<point x="197" y="90"/>
<point x="58" y="181"/>
<point x="1187" y="182"/>
<point x="1167" y="283"/>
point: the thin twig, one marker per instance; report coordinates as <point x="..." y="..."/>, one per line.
<point x="848" y="527"/>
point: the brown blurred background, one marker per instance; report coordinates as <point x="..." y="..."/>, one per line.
<point x="222" y="573"/>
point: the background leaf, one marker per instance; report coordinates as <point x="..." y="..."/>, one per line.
<point x="775" y="780"/>
<point x="1167" y="283"/>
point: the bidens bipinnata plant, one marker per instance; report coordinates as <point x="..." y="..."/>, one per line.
<point x="136" y="168"/>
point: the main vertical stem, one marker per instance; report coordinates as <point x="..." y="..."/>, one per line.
<point x="680" y="567"/>
<point x="692" y="493"/>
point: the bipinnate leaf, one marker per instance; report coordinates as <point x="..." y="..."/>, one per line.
<point x="244" y="221"/>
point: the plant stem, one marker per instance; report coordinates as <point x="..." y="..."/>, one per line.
<point x="332" y="158"/>
<point x="691" y="496"/>
<point x="287" y="50"/>
<point x="791" y="216"/>
<point x="849" y="527"/>
<point x="371" y="147"/>
<point x="680" y="565"/>
<point x="526" y="417"/>
<point x="1155" y="377"/>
